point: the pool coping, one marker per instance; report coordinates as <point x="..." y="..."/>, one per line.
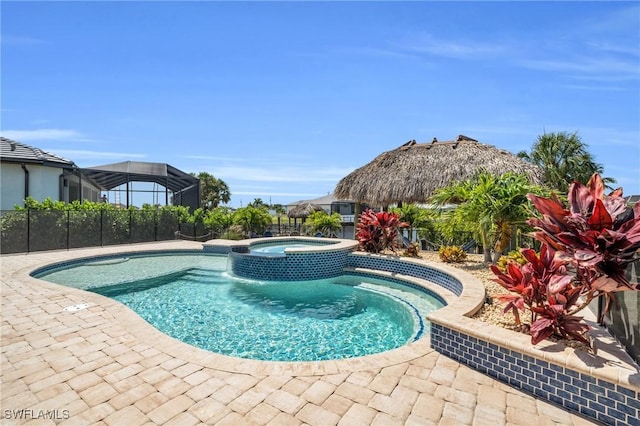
<point x="330" y="244"/>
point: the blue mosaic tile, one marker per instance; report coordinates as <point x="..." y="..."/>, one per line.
<point x="634" y="402"/>
<point x="605" y="418"/>
<point x="606" y="401"/>
<point x="564" y="394"/>
<point x="572" y="373"/>
<point x="616" y="414"/>
<point x="556" y="383"/>
<point x="571" y="388"/>
<point x="596" y="406"/>
<point x="579" y="400"/>
<point x="625" y="391"/>
<point x="571" y="406"/>
<point x="556" y="399"/>
<point x="623" y="407"/>
<point x="587" y="411"/>
<point x="587" y="394"/>
<point x="406" y="268"/>
<point x="615" y="394"/>
<point x="577" y="392"/>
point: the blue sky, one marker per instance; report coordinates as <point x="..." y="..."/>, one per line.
<point x="283" y="99"/>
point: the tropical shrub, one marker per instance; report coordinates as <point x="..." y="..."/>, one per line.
<point x="320" y="221"/>
<point x="218" y="220"/>
<point x="491" y="206"/>
<point x="514" y="256"/>
<point x="411" y="250"/>
<point x="452" y="254"/>
<point x="586" y="247"/>
<point x="252" y="220"/>
<point x="377" y="232"/>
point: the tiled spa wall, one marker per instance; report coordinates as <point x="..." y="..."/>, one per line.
<point x="290" y="267"/>
<point x="595" y="398"/>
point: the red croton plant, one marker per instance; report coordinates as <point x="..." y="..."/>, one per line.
<point x="378" y="231"/>
<point x="586" y="248"/>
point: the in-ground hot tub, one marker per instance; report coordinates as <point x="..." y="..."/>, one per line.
<point x="285" y="258"/>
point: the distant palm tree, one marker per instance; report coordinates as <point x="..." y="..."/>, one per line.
<point x="563" y="157"/>
<point x="213" y="191"/>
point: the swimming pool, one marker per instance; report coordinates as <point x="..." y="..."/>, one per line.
<point x="193" y="298"/>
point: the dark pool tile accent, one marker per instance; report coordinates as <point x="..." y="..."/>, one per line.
<point x="296" y="266"/>
<point x="598" y="399"/>
<point x="407" y="268"/>
<point x="399" y="281"/>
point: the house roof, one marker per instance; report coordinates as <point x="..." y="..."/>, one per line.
<point x="110" y="176"/>
<point x="324" y="200"/>
<point x="632" y="199"/>
<point x="17" y="152"/>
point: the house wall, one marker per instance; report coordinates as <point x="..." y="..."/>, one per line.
<point x="43" y="183"/>
<point x="11" y="186"/>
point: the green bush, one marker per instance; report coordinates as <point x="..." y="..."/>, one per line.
<point x="452" y="254"/>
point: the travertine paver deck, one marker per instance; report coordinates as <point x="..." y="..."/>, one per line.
<point x="104" y="365"/>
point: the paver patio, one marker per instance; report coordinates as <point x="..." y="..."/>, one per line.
<point x="105" y="365"/>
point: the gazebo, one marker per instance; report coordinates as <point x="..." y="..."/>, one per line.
<point x="412" y="172"/>
<point x="302" y="211"/>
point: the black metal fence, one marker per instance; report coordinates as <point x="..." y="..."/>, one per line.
<point x="23" y="231"/>
<point x="623" y="320"/>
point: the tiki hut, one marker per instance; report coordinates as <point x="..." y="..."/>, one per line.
<point x="303" y="210"/>
<point x="412" y="172"/>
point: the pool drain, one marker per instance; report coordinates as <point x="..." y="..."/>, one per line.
<point x="74" y="308"/>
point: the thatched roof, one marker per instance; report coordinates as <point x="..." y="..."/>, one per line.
<point x="412" y="172"/>
<point x="304" y="210"/>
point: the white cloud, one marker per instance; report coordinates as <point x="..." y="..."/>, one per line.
<point x="459" y="49"/>
<point x="68" y="135"/>
<point x="93" y="155"/>
<point x="286" y="168"/>
<point x="299" y="173"/>
<point x="588" y="65"/>
<point x="12" y="40"/>
<point x="596" y="88"/>
<point x="275" y="194"/>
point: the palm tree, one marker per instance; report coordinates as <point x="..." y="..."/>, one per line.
<point x="213" y="191"/>
<point x="564" y="158"/>
<point x="488" y="204"/>
<point x="415" y="216"/>
<point x="258" y="204"/>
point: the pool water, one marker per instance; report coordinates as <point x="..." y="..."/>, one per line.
<point x="276" y="248"/>
<point x="194" y="299"/>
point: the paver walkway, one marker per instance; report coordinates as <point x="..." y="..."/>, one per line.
<point x="88" y="367"/>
